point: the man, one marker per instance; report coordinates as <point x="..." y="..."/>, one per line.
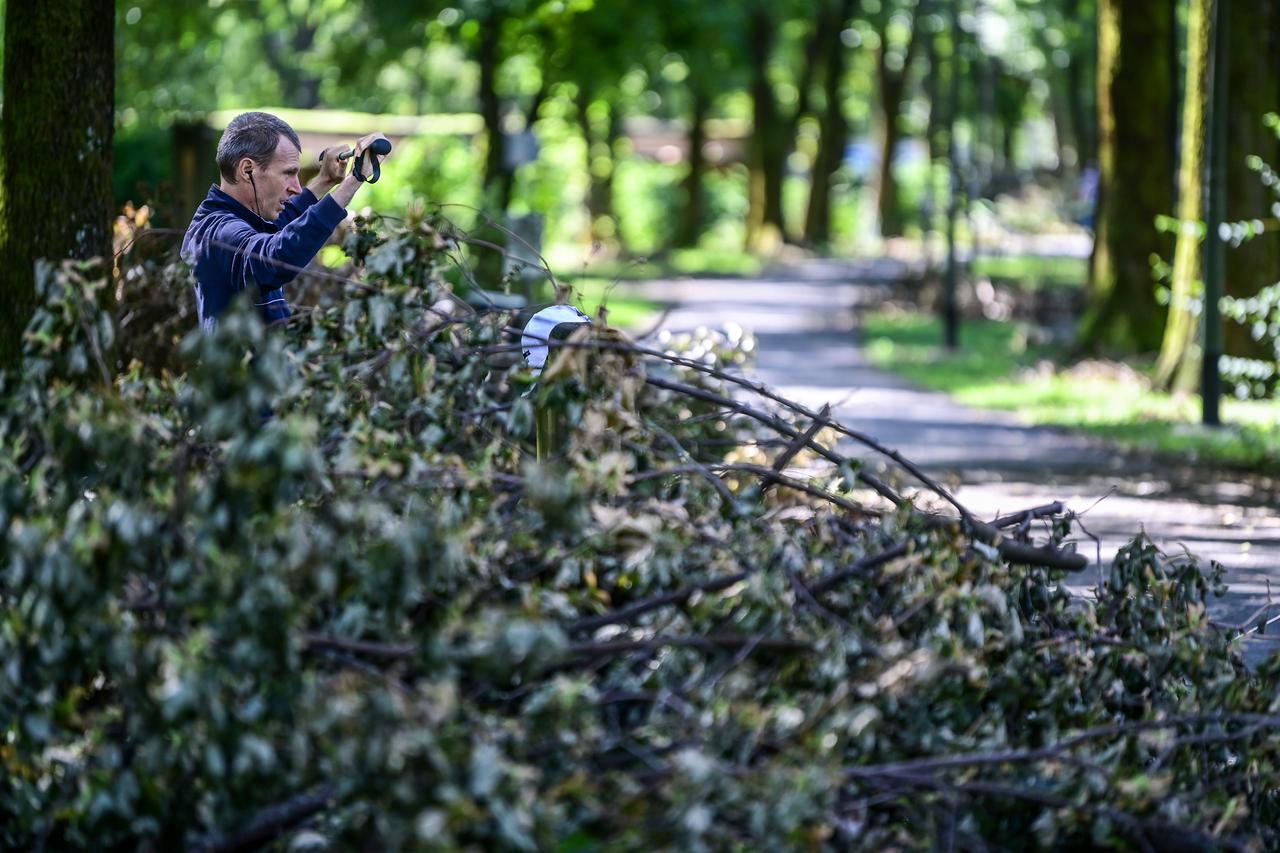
<point x="258" y="228"/>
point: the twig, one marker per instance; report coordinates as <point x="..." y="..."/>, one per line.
<point x="269" y="824"/>
<point x="386" y="651"/>
<point x="710" y="642"/>
<point x="654" y="602"/>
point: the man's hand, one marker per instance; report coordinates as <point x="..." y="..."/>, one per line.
<point x="364" y="142"/>
<point x="332" y="171"/>
<point x="347" y="189"/>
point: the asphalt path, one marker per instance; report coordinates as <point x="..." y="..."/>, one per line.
<point x="804" y="318"/>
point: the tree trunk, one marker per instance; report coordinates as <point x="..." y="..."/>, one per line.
<point x="768" y="141"/>
<point x="1083" y="118"/>
<point x="488" y="57"/>
<point x="692" y="216"/>
<point x="1178" y="365"/>
<point x="833" y="130"/>
<point x="935" y="130"/>
<point x="301" y="90"/>
<point x="599" y="165"/>
<point x="55" y="147"/>
<point x="1253" y="83"/>
<point x="892" y="87"/>
<point x="1135" y="102"/>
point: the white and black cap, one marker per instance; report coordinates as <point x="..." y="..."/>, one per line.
<point x="550" y="324"/>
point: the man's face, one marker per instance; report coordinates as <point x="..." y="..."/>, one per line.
<point x="277" y="182"/>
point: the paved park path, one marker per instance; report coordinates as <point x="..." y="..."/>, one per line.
<point x="804" y="317"/>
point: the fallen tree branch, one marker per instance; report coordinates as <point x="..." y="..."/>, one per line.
<point x="710" y="642"/>
<point x="269" y="824"/>
<point x="654" y="602"/>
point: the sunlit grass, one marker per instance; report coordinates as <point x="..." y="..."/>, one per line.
<point x="1033" y="270"/>
<point x="997" y="367"/>
<point x="571" y="264"/>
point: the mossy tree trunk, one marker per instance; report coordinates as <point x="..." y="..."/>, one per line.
<point x="1178" y="365"/>
<point x="1253" y="84"/>
<point x="1135" y="105"/>
<point x="55" y="147"/>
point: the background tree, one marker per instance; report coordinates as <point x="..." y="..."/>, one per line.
<point x="1253" y="90"/>
<point x="55" y="146"/>
<point x="1177" y="364"/>
<point x="1135" y="107"/>
<point x="833" y="127"/>
<point x="900" y="40"/>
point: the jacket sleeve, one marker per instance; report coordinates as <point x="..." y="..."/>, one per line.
<point x="271" y="260"/>
<point x="294" y="207"/>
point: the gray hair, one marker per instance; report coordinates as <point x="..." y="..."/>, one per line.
<point x="252" y="135"/>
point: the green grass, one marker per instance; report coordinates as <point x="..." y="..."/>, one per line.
<point x="1033" y="270"/>
<point x="998" y="367"/>
<point x="626" y="311"/>
<point x="568" y="263"/>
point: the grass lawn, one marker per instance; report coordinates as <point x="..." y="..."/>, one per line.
<point x="626" y="311"/>
<point x="997" y="367"/>
<point x="567" y="263"/>
<point x="1033" y="270"/>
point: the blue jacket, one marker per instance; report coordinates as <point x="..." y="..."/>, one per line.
<point x="232" y="249"/>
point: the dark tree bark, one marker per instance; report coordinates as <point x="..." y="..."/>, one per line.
<point x="935" y="130"/>
<point x="1253" y="85"/>
<point x="768" y="143"/>
<point x="1135" y="108"/>
<point x="892" y="85"/>
<point x="55" y="150"/>
<point x="302" y="90"/>
<point x="833" y="130"/>
<point x="693" y="214"/>
<point x="1080" y="69"/>
<point x="489" y="57"/>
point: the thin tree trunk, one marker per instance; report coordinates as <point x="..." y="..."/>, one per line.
<point x="488" y="58"/>
<point x="934" y="130"/>
<point x="692" y="216"/>
<point x="833" y="130"/>
<point x="55" y="147"/>
<point x="301" y="90"/>
<point x="599" y="164"/>
<point x="892" y="87"/>
<point x="1178" y="365"/>
<point x="768" y="141"/>
<point x="1135" y="100"/>
<point x="1083" y="119"/>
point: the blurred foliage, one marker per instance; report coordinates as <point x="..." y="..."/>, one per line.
<point x="310" y="585"/>
<point x="623" y="59"/>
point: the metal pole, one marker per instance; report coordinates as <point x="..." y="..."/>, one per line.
<point x="1210" y="380"/>
<point x="950" y="320"/>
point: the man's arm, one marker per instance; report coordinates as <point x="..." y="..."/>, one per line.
<point x="271" y="260"/>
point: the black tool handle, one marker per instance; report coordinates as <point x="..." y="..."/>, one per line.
<point x="378" y="148"/>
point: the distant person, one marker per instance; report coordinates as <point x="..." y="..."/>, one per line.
<point x="1087" y="195"/>
<point x="258" y="228"/>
